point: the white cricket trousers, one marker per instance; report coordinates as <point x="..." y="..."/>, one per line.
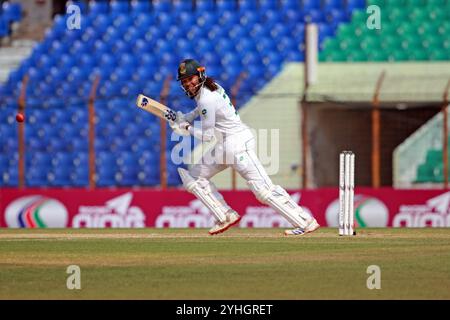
<point x="237" y="151"/>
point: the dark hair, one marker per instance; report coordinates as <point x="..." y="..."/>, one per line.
<point x="211" y="84"/>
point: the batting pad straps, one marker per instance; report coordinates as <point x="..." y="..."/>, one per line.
<point x="277" y="198"/>
<point x="203" y="191"/>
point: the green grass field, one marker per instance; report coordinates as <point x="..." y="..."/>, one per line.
<point x="239" y="264"/>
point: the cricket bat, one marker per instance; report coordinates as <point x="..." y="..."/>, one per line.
<point x="158" y="109"/>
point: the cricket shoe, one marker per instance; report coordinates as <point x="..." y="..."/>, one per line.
<point x="232" y="218"/>
<point x="312" y="226"/>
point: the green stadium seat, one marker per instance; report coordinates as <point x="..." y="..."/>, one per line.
<point x="444" y="28"/>
<point x="411" y="42"/>
<point x="433" y="157"/>
<point x="391" y="43"/>
<point x="415" y="3"/>
<point x="337" y="56"/>
<point x="398" y="55"/>
<point x="396" y="4"/>
<point x="436" y="2"/>
<point x="369" y="44"/>
<point x="331" y="44"/>
<point x="323" y="55"/>
<point x="389" y="28"/>
<point x="359" y="18"/>
<point x="424" y="173"/>
<point x="356" y="56"/>
<point x="346" y="31"/>
<point x="408" y="29"/>
<point x="433" y="42"/>
<point x="429" y="28"/>
<point x="438" y="173"/>
<point x="418" y="15"/>
<point x="350" y="44"/>
<point x="380" y="3"/>
<point x="331" y="56"/>
<point x="439" y="55"/>
<point x="446" y="44"/>
<point x="418" y="55"/>
<point x="437" y="14"/>
<point x="397" y="14"/>
<point x="377" y="55"/>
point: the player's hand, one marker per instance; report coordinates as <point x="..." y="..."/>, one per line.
<point x="180" y="128"/>
<point x="180" y="117"/>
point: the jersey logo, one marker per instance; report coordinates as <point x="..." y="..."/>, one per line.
<point x="204" y="112"/>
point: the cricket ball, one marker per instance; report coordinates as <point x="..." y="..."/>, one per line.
<point x="20" y="117"/>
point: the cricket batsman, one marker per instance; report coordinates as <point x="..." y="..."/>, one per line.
<point x="218" y="115"/>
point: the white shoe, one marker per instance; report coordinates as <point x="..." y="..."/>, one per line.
<point x="232" y="218"/>
<point x="312" y="226"/>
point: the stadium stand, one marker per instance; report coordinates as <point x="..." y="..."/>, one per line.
<point x="134" y="45"/>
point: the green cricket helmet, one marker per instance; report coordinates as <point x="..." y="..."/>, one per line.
<point x="190" y="67"/>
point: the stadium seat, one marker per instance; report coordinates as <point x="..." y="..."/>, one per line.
<point x="161" y="6"/>
<point x="134" y="45"/>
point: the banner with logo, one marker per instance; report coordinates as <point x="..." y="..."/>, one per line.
<point x="130" y="208"/>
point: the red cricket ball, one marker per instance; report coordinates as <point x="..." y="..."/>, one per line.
<point x="20" y="117"/>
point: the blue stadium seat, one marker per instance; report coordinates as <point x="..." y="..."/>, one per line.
<point x="101" y="22"/>
<point x="235" y="33"/>
<point x="140" y="6"/>
<point x="78" y="145"/>
<point x="81" y="4"/>
<point x="106" y="160"/>
<point x="336" y="16"/>
<point x="12" y="12"/>
<point x="79" y="177"/>
<point x="81" y="159"/>
<point x="173" y="178"/>
<point x="298" y="33"/>
<point x="117" y="6"/>
<point x="10" y="177"/>
<point x="36" y="176"/>
<point x="314" y="15"/>
<point x="4" y="28"/>
<point x="332" y="4"/>
<point x="127" y="176"/>
<point x="325" y="30"/>
<point x="122" y="22"/>
<point x="161" y="6"/>
<point x="279" y="30"/>
<point x="128" y="159"/>
<point x="149" y="175"/>
<point x="105" y="177"/>
<point x="310" y="4"/>
<point x="248" y="19"/>
<point x="4" y="162"/>
<point x="290" y="4"/>
<point x="226" y="5"/>
<point x="268" y="5"/>
<point x="247" y="5"/>
<point x="98" y="7"/>
<point x="355" y="4"/>
<point x="204" y="5"/>
<point x="133" y="46"/>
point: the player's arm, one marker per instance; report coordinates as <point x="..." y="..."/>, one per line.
<point x="208" y="116"/>
<point x="190" y="116"/>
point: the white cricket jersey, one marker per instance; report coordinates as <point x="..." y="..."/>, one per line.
<point x="217" y="112"/>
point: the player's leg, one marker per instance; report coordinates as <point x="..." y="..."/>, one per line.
<point x="196" y="181"/>
<point x="250" y="168"/>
